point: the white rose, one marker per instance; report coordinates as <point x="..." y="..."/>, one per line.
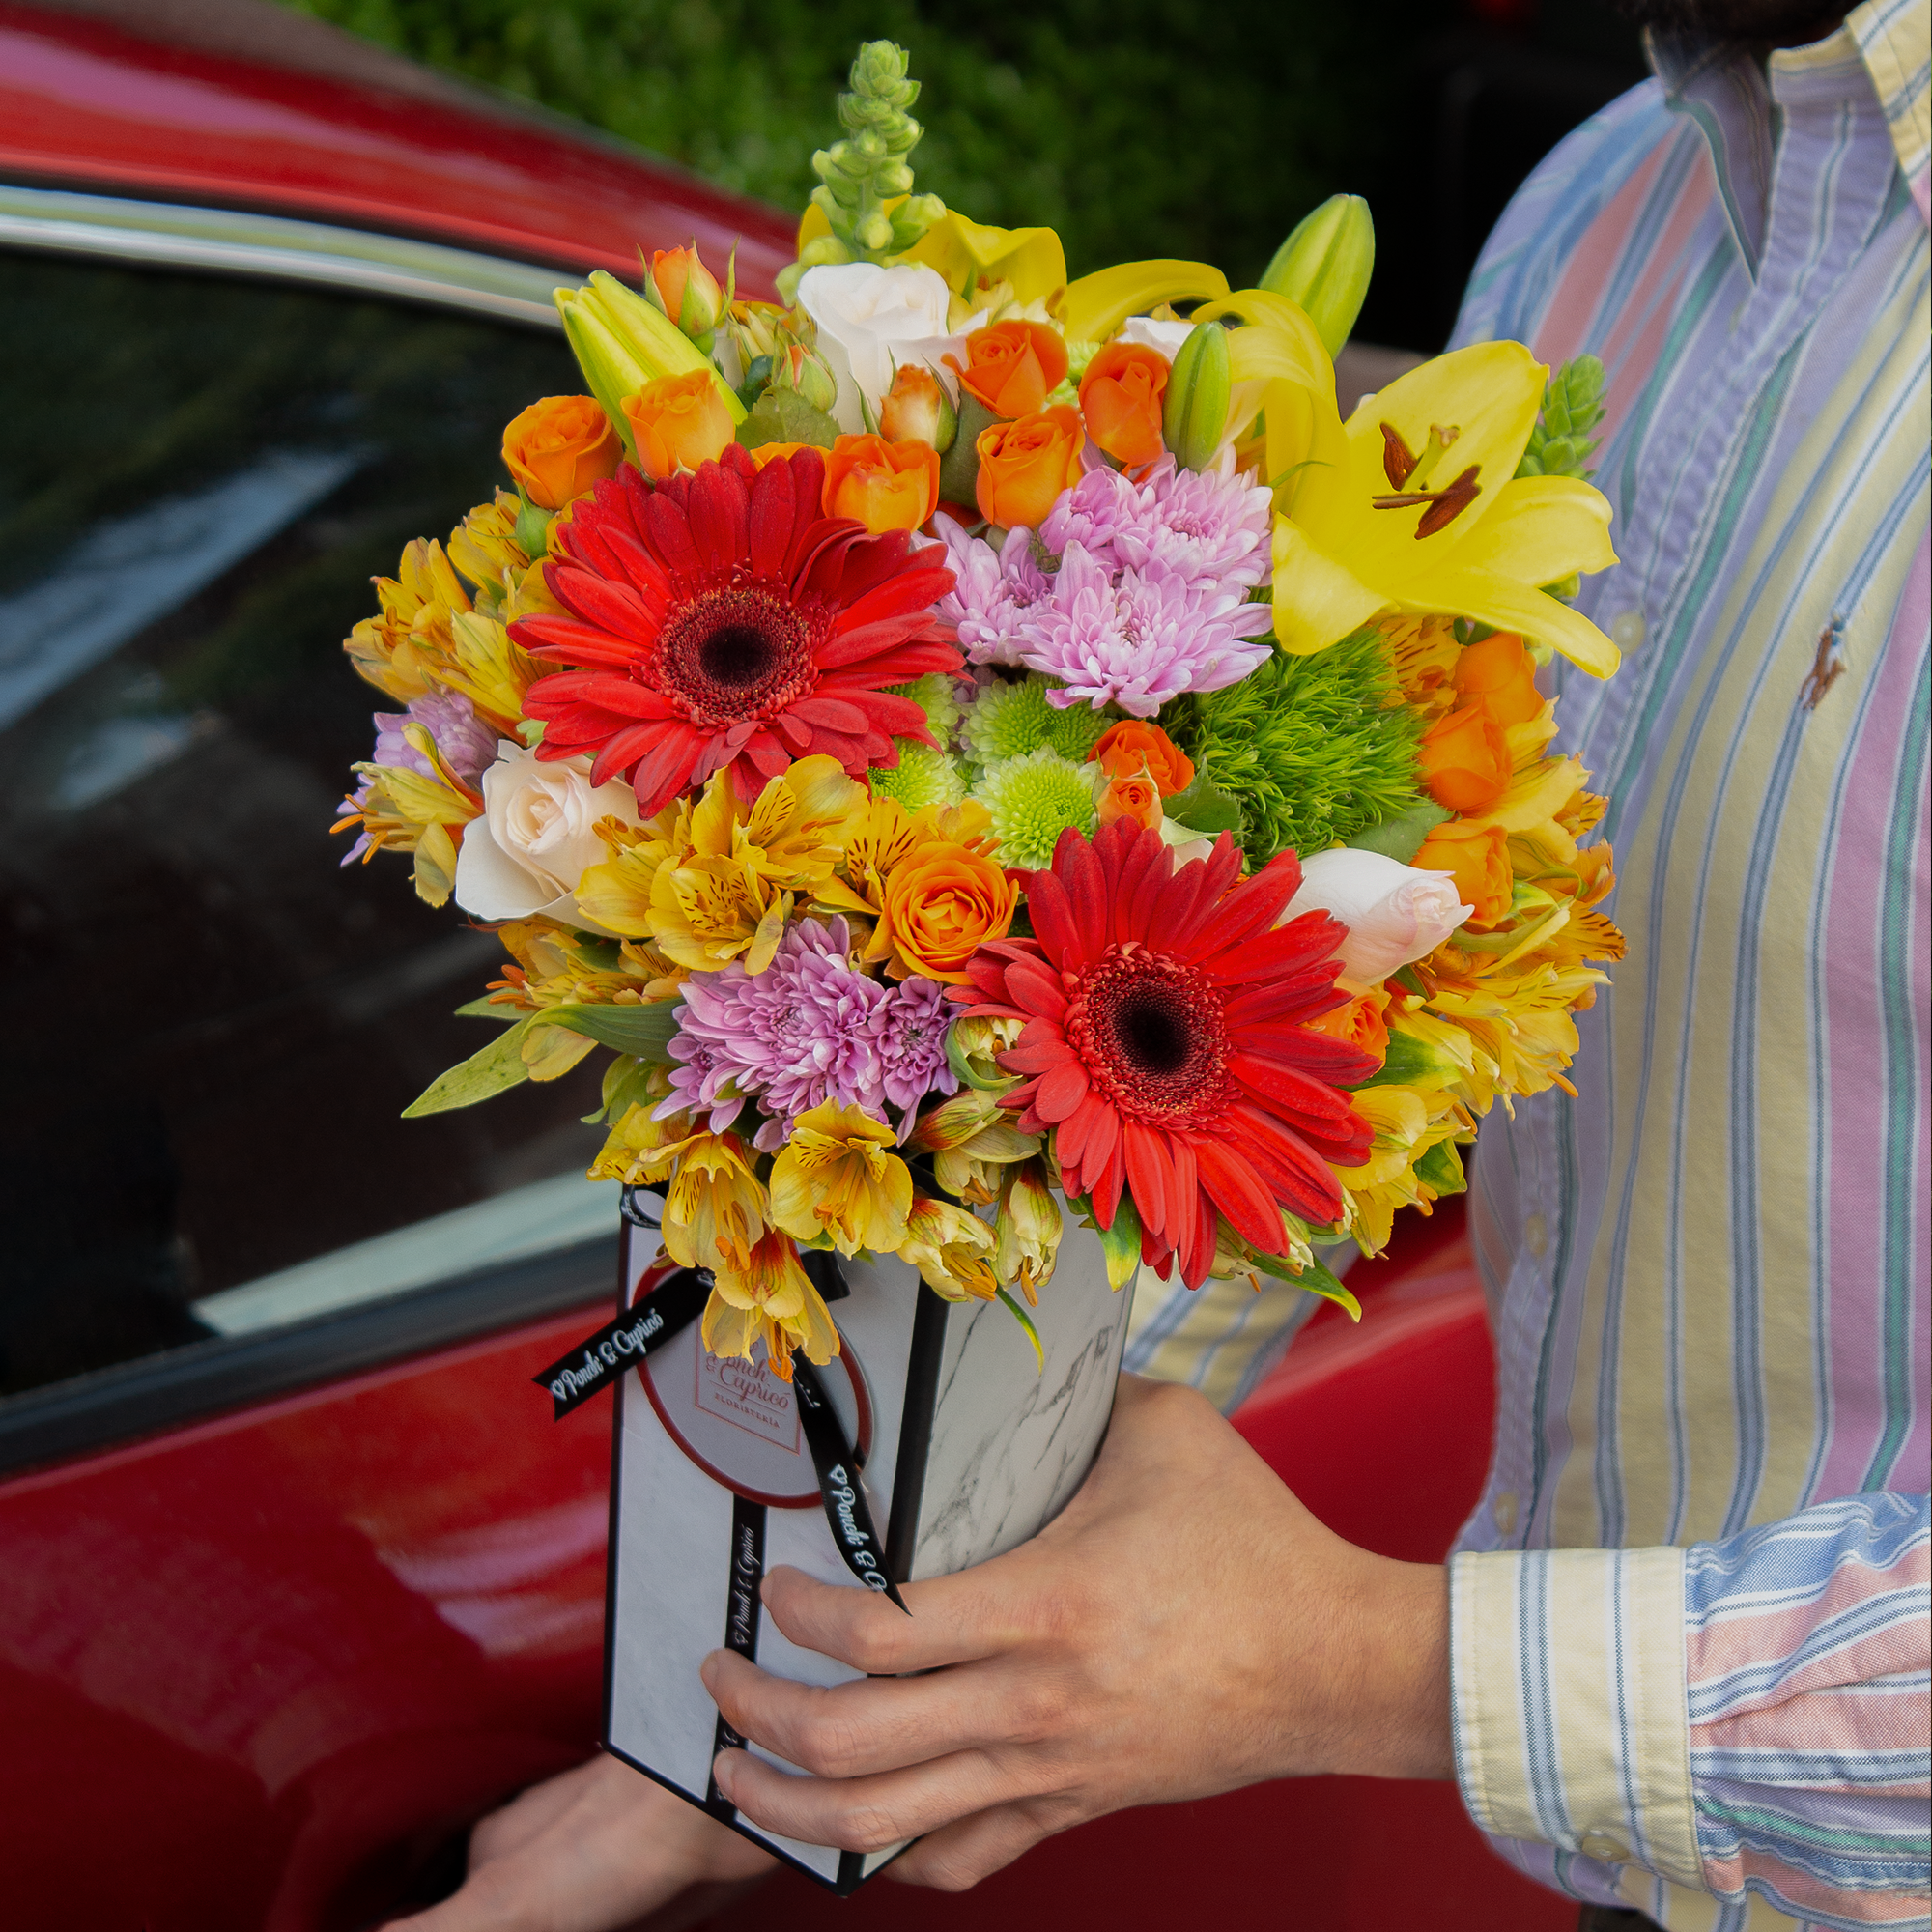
<point x="1394" y="913"/>
<point x="871" y="321"/>
<point x="1164" y="338"/>
<point x="536" y="838"/>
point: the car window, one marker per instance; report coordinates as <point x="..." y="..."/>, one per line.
<point x="211" y="1030"/>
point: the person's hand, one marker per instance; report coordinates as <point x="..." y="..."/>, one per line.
<point x="593" y="1850"/>
<point x="1184" y="1628"/>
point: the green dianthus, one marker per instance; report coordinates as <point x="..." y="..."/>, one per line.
<point x="1311" y="747"/>
<point x="937" y="696"/>
<point x="921" y="777"/>
<point x="1033" y="800"/>
<point x="1009" y="721"/>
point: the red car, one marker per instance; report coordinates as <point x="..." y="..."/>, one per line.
<point x="296" y="1577"/>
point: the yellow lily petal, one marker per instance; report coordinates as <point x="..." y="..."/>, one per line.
<point x="1510" y="605"/>
<point x="1317" y="601"/>
<point x="1541" y="529"/>
<point x="1095" y="305"/>
<point x="968" y="254"/>
<point x="1305" y="438"/>
<point x="1278" y="342"/>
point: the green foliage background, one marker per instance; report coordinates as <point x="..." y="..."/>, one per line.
<point x="1135" y="127"/>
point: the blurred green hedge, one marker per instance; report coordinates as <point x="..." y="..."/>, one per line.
<point x="1135" y="127"/>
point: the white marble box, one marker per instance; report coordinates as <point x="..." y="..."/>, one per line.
<point x="968" y="1448"/>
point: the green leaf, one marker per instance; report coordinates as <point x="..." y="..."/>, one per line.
<point x="1441" y="1168"/>
<point x="1411" y="1063"/>
<point x="1122" y="1243"/>
<point x="1202" y="807"/>
<point x="1316" y="1280"/>
<point x="644" y="1031"/>
<point x="1402" y="837"/>
<point x="960" y="467"/>
<point x="783" y="415"/>
<point x="550" y="1052"/>
<point x="1025" y="1320"/>
<point x="498" y="1066"/>
<point x="485" y="1009"/>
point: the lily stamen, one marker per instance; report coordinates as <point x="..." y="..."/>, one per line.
<point x="1446" y="505"/>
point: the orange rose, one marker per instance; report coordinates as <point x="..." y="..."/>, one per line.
<point x="557" y="448"/>
<point x="1362" y="1023"/>
<point x="886" y="485"/>
<point x="1477" y="858"/>
<point x="1121" y="396"/>
<point x="1464" y="760"/>
<point x="1503" y="675"/>
<point x="1136" y="797"/>
<point x="1024" y="466"/>
<point x="1012" y="366"/>
<point x="680" y="278"/>
<point x="943" y="902"/>
<point x="914" y="409"/>
<point x="1135" y="746"/>
<point x="678" y="422"/>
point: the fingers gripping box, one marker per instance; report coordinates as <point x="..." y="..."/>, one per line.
<point x="964" y="1445"/>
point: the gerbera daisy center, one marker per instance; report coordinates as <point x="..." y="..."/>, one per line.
<point x="1152" y="1035"/>
<point x="737" y="652"/>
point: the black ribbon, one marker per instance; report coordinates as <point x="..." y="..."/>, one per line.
<point x="742" y="1609"/>
<point x="643" y="1328"/>
<point x="861" y="1546"/>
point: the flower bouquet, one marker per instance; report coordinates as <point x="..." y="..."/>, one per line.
<point x="1027" y="794"/>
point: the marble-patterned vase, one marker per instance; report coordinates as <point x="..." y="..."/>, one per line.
<point x="968" y="1448"/>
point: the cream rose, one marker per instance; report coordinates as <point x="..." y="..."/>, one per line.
<point x="872" y="321"/>
<point x="1164" y="338"/>
<point x="1394" y="913"/>
<point x="536" y="836"/>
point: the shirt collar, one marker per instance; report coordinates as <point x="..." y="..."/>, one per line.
<point x="1887" y="43"/>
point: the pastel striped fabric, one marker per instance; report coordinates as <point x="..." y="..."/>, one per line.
<point x="1709" y="1276"/>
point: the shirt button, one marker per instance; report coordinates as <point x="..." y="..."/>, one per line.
<point x="1627" y="630"/>
<point x="1601" y="1845"/>
<point x="1536" y="1235"/>
<point x="1503" y="1509"/>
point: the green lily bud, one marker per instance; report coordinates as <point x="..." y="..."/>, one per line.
<point x="608" y="368"/>
<point x="1198" y="389"/>
<point x="1324" y="267"/>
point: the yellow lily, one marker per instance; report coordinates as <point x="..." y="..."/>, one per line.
<point x="1094" y="306"/>
<point x="1414" y="505"/>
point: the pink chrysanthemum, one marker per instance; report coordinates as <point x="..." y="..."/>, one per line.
<point x="1214" y="529"/>
<point x="1141" y="641"/>
<point x="992" y="591"/>
<point x="912" y="1045"/>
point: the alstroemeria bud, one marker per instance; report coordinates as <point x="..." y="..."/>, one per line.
<point x="916" y="409"/>
<point x="950" y="1249"/>
<point x="1027" y="1230"/>
<point x="679" y="284"/>
<point x="798" y="369"/>
<point x="1325" y="266"/>
<point x="1196" y="408"/>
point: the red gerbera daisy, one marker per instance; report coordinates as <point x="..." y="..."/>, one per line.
<point x="721" y="620"/>
<point x="1166" y="1045"/>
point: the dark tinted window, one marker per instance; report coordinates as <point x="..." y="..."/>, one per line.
<point x="209" y="1030"/>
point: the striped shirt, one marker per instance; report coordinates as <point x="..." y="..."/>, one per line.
<point x="1689" y="1617"/>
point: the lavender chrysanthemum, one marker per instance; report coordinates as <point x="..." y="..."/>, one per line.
<point x="1214" y="529"/>
<point x="1141" y="641"/>
<point x="1100" y="508"/>
<point x="803" y="1032"/>
<point x="992" y="590"/>
<point x="912" y="1045"/>
<point x="702" y="1084"/>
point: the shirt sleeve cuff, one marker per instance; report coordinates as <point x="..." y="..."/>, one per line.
<point x="1566" y="1678"/>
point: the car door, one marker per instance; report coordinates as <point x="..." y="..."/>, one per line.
<point x="294" y="1579"/>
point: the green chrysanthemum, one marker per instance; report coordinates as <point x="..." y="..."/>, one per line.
<point x="1009" y="721"/>
<point x="1312" y="747"/>
<point x="937" y="696"/>
<point x="921" y="777"/>
<point x="1033" y="799"/>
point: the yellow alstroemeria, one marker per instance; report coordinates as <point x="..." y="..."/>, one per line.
<point x="950" y="1249"/>
<point x="408" y="811"/>
<point x="838" y="1180"/>
<point x="487" y="669"/>
<point x="971" y="1137"/>
<point x="1405" y="1128"/>
<point x="1418" y="520"/>
<point x="403" y="651"/>
<point x="1027" y="1229"/>
<point x="768" y="1298"/>
<point x="484" y="548"/>
<point x="715" y="1209"/>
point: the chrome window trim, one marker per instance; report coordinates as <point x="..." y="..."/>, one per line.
<point x="175" y="235"/>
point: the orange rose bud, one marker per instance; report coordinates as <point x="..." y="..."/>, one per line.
<point x="1503" y="675"/>
<point x="916" y="409"/>
<point x="1122" y="396"/>
<point x="1477" y="858"/>
<point x="886" y="485"/>
<point x="1362" y="1023"/>
<point x="557" y="448"/>
<point x="678" y="422"/>
<point x="1133" y="796"/>
<point x="943" y="903"/>
<point x="1013" y="367"/>
<point x="1464" y="760"/>
<point x="687" y="290"/>
<point x="1133" y="744"/>
<point x="1024" y="466"/>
